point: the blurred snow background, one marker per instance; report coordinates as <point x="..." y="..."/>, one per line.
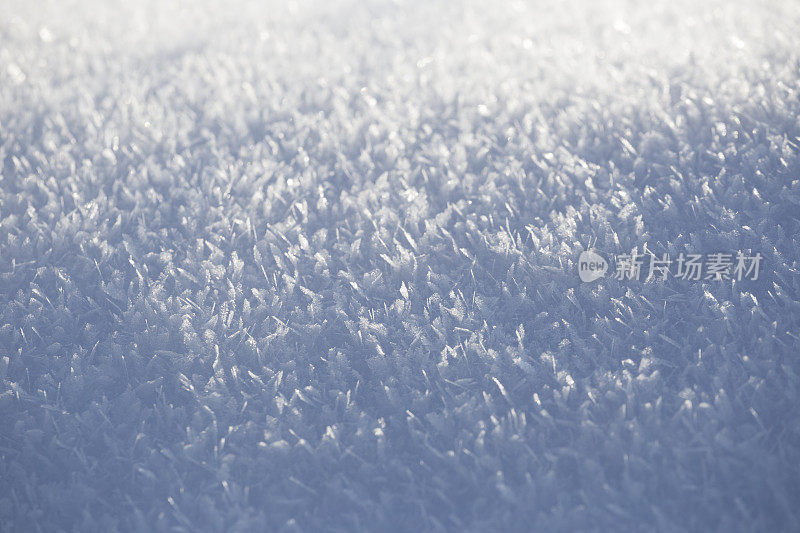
<point x="311" y="266"/>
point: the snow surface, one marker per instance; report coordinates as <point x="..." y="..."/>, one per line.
<point x="312" y="266"/>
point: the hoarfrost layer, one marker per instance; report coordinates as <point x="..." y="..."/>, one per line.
<point x="313" y="267"/>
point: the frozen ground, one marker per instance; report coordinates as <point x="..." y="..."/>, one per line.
<point x="313" y="267"/>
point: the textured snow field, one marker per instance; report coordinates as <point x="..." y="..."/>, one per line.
<point x="312" y="267"/>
